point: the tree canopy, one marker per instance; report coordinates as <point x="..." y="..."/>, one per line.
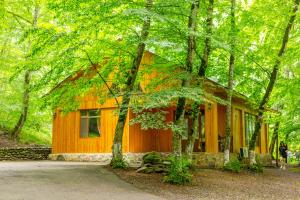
<point x="73" y="35"/>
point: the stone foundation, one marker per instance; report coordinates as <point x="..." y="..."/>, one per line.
<point x="134" y="159"/>
<point x="216" y="160"/>
<point x="201" y="160"/>
<point x="24" y="153"/>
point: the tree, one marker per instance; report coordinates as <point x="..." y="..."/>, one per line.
<point x="117" y="145"/>
<point x="274" y="138"/>
<point x="201" y="74"/>
<point x="272" y="80"/>
<point x="230" y="82"/>
<point x="23" y="117"/>
<point x="181" y="103"/>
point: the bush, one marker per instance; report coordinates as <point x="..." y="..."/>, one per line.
<point x="178" y="172"/>
<point x="152" y="158"/>
<point x="233" y="165"/>
<point x="258" y="167"/>
<point x="118" y="164"/>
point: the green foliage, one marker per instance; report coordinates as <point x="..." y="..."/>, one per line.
<point x="233" y="165"/>
<point x="178" y="171"/>
<point x="153" y="158"/>
<point x="88" y="32"/>
<point x="257" y="168"/>
<point x="118" y="164"/>
<point x="32" y="137"/>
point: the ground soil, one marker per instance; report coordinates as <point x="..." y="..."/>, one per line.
<point x="217" y="184"/>
<point x="6" y="142"/>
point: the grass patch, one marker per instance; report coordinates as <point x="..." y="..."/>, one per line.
<point x="233" y="165"/>
<point x="40" y="138"/>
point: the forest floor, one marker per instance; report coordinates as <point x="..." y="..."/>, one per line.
<point x="6" y="142"/>
<point x="217" y="184"/>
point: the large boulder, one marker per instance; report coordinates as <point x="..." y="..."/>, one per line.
<point x="152" y="158"/>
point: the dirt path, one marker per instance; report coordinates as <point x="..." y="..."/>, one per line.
<point x="215" y="184"/>
<point x="63" y="181"/>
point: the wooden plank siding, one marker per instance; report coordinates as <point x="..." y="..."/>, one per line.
<point x="211" y="127"/>
<point x="237" y="130"/>
<point x="151" y="139"/>
<point x="66" y="130"/>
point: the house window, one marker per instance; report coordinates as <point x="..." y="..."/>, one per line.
<point x="90" y="123"/>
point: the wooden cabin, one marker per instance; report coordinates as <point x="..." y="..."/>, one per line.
<point x="91" y="128"/>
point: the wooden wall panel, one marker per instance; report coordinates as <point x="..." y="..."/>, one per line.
<point x="141" y="140"/>
<point x="211" y="127"/>
<point x="222" y="120"/>
<point x="237" y="130"/>
<point x="263" y="139"/>
<point x="164" y="137"/>
<point x="66" y="131"/>
<point x="149" y="140"/>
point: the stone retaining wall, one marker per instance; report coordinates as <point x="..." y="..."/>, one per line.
<point x="201" y="160"/>
<point x="25" y="153"/>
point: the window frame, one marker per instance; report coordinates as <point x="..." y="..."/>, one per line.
<point x="87" y="118"/>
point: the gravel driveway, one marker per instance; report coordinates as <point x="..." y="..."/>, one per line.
<point x="48" y="180"/>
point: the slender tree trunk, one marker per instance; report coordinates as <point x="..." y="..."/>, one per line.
<point x="230" y="84"/>
<point x="23" y="117"/>
<point x="274" y="138"/>
<point x="277" y="149"/>
<point x="118" y="138"/>
<point x="201" y="73"/>
<point x="179" y="113"/>
<point x="273" y="78"/>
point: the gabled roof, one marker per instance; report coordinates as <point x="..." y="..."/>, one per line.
<point x="210" y="85"/>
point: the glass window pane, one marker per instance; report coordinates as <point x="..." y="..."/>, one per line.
<point x="83" y="113"/>
<point x="93" y="113"/>
<point x="94" y="126"/>
<point x="83" y="128"/>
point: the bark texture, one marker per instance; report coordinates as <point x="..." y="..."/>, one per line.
<point x="118" y="137"/>
<point x="25" y="105"/>
<point x="201" y="73"/>
<point x="230" y="83"/>
<point x="272" y="81"/>
<point x="191" y="41"/>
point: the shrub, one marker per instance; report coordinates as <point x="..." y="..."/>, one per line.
<point x="118" y="163"/>
<point x="178" y="172"/>
<point x="258" y="167"/>
<point x="153" y="158"/>
<point x="233" y="165"/>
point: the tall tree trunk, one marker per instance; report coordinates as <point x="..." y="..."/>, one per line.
<point x="192" y="133"/>
<point x="230" y="83"/>
<point x="25" y="105"/>
<point x="273" y="78"/>
<point x="118" y="138"/>
<point x="277" y="150"/>
<point x="274" y="138"/>
<point x="179" y="113"/>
